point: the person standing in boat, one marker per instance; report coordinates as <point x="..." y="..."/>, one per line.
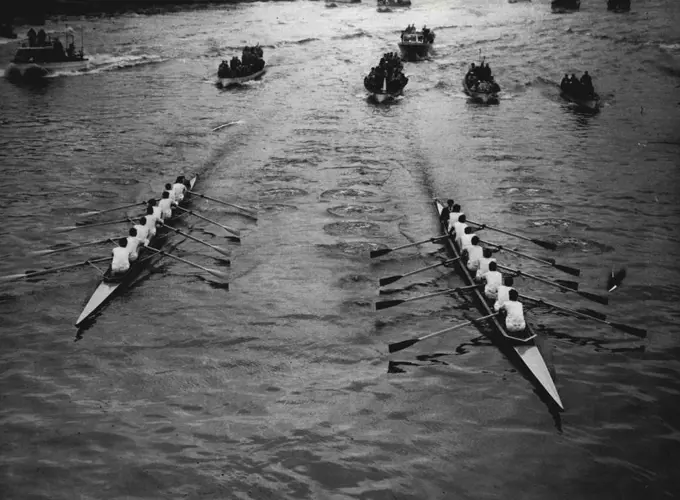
<point x="120" y="263"/>
<point x="587" y="83"/>
<point x="513" y="313"/>
<point x="564" y="84"/>
<point x="32" y="38"/>
<point x="503" y="294"/>
<point x="41" y="38"/>
<point x="492" y="279"/>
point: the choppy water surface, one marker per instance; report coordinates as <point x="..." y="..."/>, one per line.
<point x="279" y="387"/>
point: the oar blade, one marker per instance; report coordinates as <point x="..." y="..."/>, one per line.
<point x="380" y="252"/>
<point x="593" y="313"/>
<point x="217" y="274"/>
<point x="638" y="332"/>
<point x="387" y="303"/>
<point x="400" y="346"/>
<point x="545" y="244"/>
<point x="571" y="285"/>
<point x="11" y="277"/>
<point x="63" y="229"/>
<point x="569" y="270"/>
<point x="594" y="298"/>
<point x="390" y="279"/>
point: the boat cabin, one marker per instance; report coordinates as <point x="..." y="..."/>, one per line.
<point x="416" y="37"/>
<point x="51" y="51"/>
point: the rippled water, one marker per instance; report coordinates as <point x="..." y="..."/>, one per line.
<point x="279" y="386"/>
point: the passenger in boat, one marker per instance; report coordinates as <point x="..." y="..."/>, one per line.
<point x="446" y="211"/>
<point x="564" y="84"/>
<point x="41" y="38"/>
<point x="133" y="245"/>
<point x="32" y="38"/>
<point x="58" y="50"/>
<point x="492" y="280"/>
<point x="503" y="294"/>
<point x="587" y="83"/>
<point x="472" y="254"/>
<point x="487" y="258"/>
<point x="165" y="205"/>
<point x="151" y="221"/>
<point x="71" y="51"/>
<point x="513" y="312"/>
<point x="142" y="231"/>
<point x="121" y="261"/>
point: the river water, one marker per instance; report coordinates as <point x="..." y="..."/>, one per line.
<point x="281" y="386"/>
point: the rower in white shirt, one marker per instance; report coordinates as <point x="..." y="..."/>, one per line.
<point x="472" y="254"/>
<point x="120" y="263"/>
<point x="165" y="205"/>
<point x="513" y="311"/>
<point x="156" y="210"/>
<point x="459" y="227"/>
<point x="484" y="262"/>
<point x="492" y="279"/>
<point x="133" y="245"/>
<point x="453" y="216"/>
<point x="465" y="239"/>
<point x="503" y="294"/>
<point x="171" y="192"/>
<point x="179" y="188"/>
<point x="142" y="231"/>
<point x="152" y="220"/>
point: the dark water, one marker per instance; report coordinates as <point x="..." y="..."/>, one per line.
<point x="279" y="386"/>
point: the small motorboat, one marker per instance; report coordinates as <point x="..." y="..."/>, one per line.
<point x="618" y="5"/>
<point x="583" y="96"/>
<point x="45" y="55"/>
<point x="565" y="6"/>
<point x="481" y="87"/>
<point x="387" y="80"/>
<point x="251" y="66"/>
<point x="416" y="45"/>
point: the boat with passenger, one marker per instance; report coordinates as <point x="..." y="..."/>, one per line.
<point x="480" y="85"/>
<point x="416" y="45"/>
<point x="521" y="349"/>
<point x="565" y="6"/>
<point x="387" y="80"/>
<point x="580" y="92"/>
<point x="618" y="5"/>
<point x="251" y="66"/>
<point x="394" y="3"/>
<point x="45" y="54"/>
<point x="111" y="284"/>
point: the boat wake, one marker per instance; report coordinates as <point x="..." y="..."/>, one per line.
<point x="99" y="63"/>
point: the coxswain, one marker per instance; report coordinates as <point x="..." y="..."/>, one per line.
<point x="179" y="188"/>
<point x="165" y="205"/>
<point x="133" y="245"/>
<point x="503" y="294"/>
<point x="142" y="231"/>
<point x="472" y="254"/>
<point x="121" y="260"/>
<point x="151" y="221"/>
<point x="492" y="279"/>
<point x="446" y="211"/>
<point x="514" y="313"/>
<point x="484" y="262"/>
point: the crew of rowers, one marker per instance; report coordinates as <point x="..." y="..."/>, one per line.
<point x="484" y="268"/>
<point x="428" y="34"/>
<point x="574" y="86"/>
<point x="390" y="69"/>
<point x="157" y="211"/>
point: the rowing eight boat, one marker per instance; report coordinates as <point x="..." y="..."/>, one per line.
<point x="110" y="285"/>
<point x="525" y="353"/>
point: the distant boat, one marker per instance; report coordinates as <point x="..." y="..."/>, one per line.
<point x="518" y="1"/>
<point x="47" y="56"/>
<point x="239" y="71"/>
<point x="384" y="9"/>
<point x="587" y="100"/>
<point x="343" y="1"/>
<point x="618" y="5"/>
<point x="416" y="45"/>
<point x="565" y="6"/>
<point x="485" y="91"/>
<point x="394" y="3"/>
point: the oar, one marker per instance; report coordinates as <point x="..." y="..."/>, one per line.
<point x="63" y="229"/>
<point x="97" y="212"/>
<point x="638" y="332"/>
<point x="391" y="303"/>
<point x="615" y="279"/>
<point x="214" y="272"/>
<point x="398" y="346"/>
<point x="550" y="262"/>
<point x="541" y="243"/>
<point x="74" y="247"/>
<point x="246" y="210"/>
<point x="52" y="269"/>
<point x="564" y="286"/>
<point x="397" y="277"/>
<point x="232" y="231"/>
<point x="384" y="251"/>
<point x="216" y="248"/>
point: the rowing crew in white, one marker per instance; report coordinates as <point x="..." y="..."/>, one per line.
<point x="483" y="267"/>
<point x="127" y="250"/>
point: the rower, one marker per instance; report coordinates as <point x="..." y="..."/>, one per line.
<point x="179" y="188"/>
<point x="484" y="262"/>
<point x="503" y="294"/>
<point x="151" y="220"/>
<point x="446" y="211"/>
<point x="472" y="254"/>
<point x="465" y="238"/>
<point x="142" y="231"/>
<point x="133" y="244"/>
<point x="171" y="192"/>
<point x="165" y="205"/>
<point x="459" y="227"/>
<point x="155" y="210"/>
<point x="514" y="313"/>
<point x="492" y="279"/>
<point x="454" y="215"/>
<point x="121" y="261"/>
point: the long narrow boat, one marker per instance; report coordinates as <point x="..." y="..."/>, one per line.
<point x="111" y="285"/>
<point x="525" y="353"/>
